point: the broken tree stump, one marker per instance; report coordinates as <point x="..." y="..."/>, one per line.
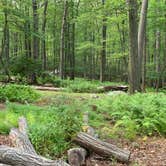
<point x="77" y="156"/>
<point x="102" y="148"/>
<point x="24" y="153"/>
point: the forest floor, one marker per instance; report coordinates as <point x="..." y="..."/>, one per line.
<point x="145" y="151"/>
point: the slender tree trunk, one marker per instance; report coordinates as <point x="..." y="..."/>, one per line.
<point x="27" y="35"/>
<point x="133" y="57"/>
<point x="35" y="37"/>
<point x="141" y="37"/>
<point x="144" y="66"/>
<point x="43" y="43"/>
<point x="158" y="60"/>
<point x="103" y="52"/>
<point x="62" y="41"/>
<point x="72" y="58"/>
<point x="6" y="36"/>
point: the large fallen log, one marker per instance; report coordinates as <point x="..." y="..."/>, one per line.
<point x="24" y="153"/>
<point x="102" y="148"/>
<point x="16" y="157"/>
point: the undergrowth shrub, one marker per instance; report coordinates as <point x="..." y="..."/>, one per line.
<point x="50" y="128"/>
<point x="136" y="114"/>
<point x="17" y="93"/>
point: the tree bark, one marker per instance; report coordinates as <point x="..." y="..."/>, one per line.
<point x="134" y="81"/>
<point x="142" y="36"/>
<point x="104" y="43"/>
<point x="102" y="148"/>
<point x="35" y="36"/>
<point x="62" y="41"/>
<point x="43" y="44"/>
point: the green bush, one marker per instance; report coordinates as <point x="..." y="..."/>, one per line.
<point x="50" y="128"/>
<point x="136" y="114"/>
<point x="17" y="93"/>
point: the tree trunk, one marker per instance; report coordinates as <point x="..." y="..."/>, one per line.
<point x="103" y="52"/>
<point x="133" y="53"/>
<point x="35" y="36"/>
<point x="102" y="148"/>
<point x="142" y="36"/>
<point x="62" y="41"/>
<point x="43" y="43"/>
<point x="158" y="60"/>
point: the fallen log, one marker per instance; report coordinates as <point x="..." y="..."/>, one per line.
<point x="24" y="153"/>
<point x="44" y="88"/>
<point x="19" y="137"/>
<point x="114" y="88"/>
<point x="16" y="157"/>
<point x="102" y="148"/>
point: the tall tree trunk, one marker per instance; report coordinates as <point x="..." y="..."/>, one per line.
<point x="103" y="52"/>
<point x="35" y="36"/>
<point x="133" y="57"/>
<point x="72" y="58"/>
<point x="141" y="36"/>
<point x="144" y="66"/>
<point x="43" y="43"/>
<point x="6" y="36"/>
<point x="27" y="35"/>
<point x="158" y="60"/>
<point x="62" y="41"/>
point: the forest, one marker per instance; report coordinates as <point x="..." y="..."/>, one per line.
<point x="83" y="82"/>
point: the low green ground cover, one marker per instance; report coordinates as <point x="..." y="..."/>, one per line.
<point x="56" y="117"/>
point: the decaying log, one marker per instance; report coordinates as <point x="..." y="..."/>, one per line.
<point x="77" y="156"/>
<point x="16" y="157"/>
<point x="19" y="137"/>
<point x="114" y="88"/>
<point x="44" y="88"/>
<point x="102" y="148"/>
<point x="24" y="153"/>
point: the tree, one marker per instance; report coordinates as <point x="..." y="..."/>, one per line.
<point x="62" y="41"/>
<point x="35" y="36"/>
<point x="133" y="55"/>
<point x="43" y="43"/>
<point x="103" y="52"/>
<point x="141" y="39"/>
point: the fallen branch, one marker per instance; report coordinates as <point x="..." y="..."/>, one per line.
<point x="102" y="148"/>
<point x="24" y="153"/>
<point x="16" y="157"/>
